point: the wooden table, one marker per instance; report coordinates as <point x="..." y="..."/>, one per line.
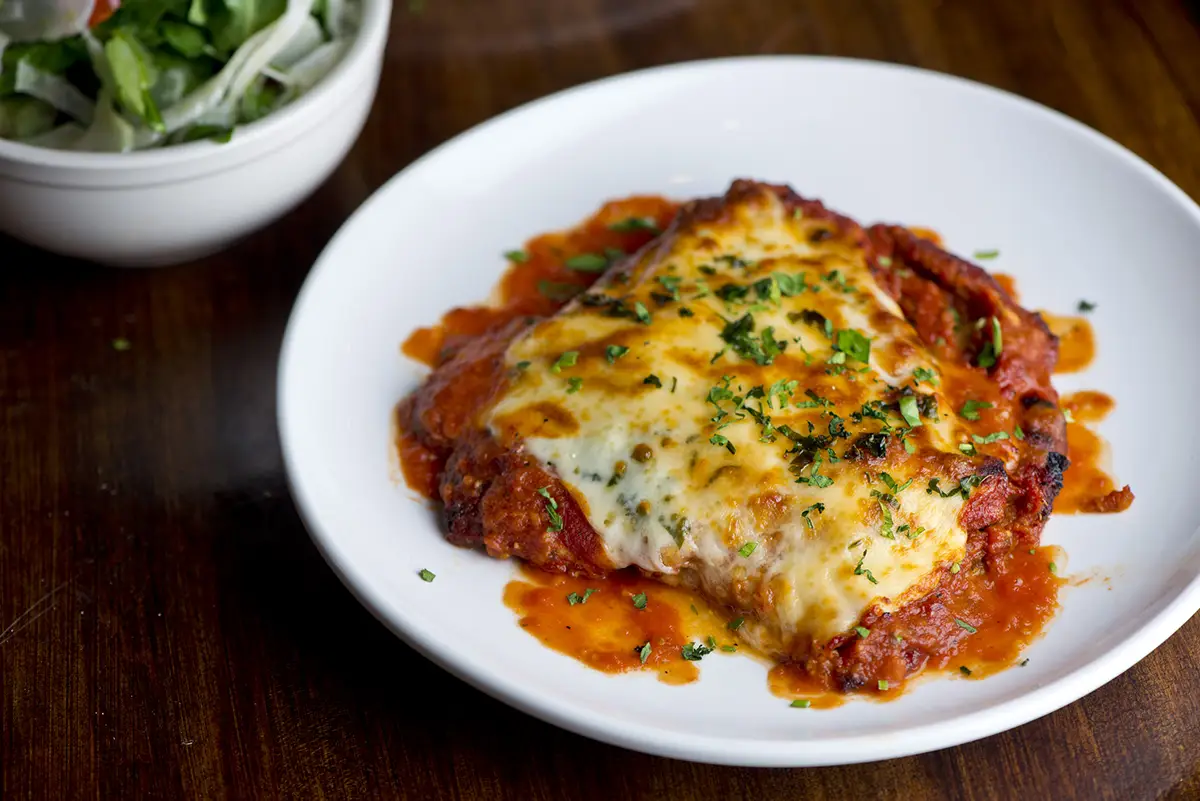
<point x="168" y="629"/>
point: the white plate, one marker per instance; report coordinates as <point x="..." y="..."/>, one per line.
<point x="1074" y="215"/>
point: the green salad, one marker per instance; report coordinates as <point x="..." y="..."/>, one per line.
<point x="122" y="75"/>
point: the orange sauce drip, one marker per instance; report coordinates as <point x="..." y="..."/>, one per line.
<point x="421" y="466"/>
<point x="1087" y="479"/>
<point x="1076" y="342"/>
<point x="608" y="632"/>
<point x="539" y="283"/>
<point x="1008" y="284"/>
<point x="927" y="233"/>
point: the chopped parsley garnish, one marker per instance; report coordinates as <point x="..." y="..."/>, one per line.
<point x="684" y="311"/>
<point x="640" y="312"/>
<point x="587" y="263"/>
<point x="963" y="488"/>
<point x="854" y="344"/>
<point x="639" y="601"/>
<point x="965" y="626"/>
<point x="426" y="575"/>
<point x="883" y="685"/>
<point x="721" y="441"/>
<point x="862" y="631"/>
<point x="694" y="652"/>
<point x="886" y="531"/>
<point x="739" y="334"/>
<point x="993" y="348"/>
<point x="747" y="549"/>
<point x="925" y="374"/>
<point x="630" y="224"/>
<point x="990" y="438"/>
<point x="986" y="254"/>
<point x="1086" y="306"/>
<point x="517" y="256"/>
<point x="954" y="568"/>
<point x="614" y="352"/>
<point x="121" y="344"/>
<point x="816" y="507"/>
<point x="574" y="384"/>
<point x="1018" y="433"/>
<point x="729" y="649"/>
<point x="1023" y="662"/>
<point x="967" y="448"/>
<point x="567" y="359"/>
<point x="1070" y="418"/>
<point x="801" y="703"/>
<point x="576" y="598"/>
<point x="892" y="486"/>
<point x="970" y="409"/>
<point x="1054" y="568"/>
<point x="556" y="521"/>
<point x="859" y="570"/>
<point x="643" y="651"/>
<point x="523" y="365"/>
<point x="735" y="624"/>
<point x="909" y="411"/>
<point x="653" y="381"/>
<point x="963" y="669"/>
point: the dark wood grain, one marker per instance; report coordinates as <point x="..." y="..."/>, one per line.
<point x="168" y="630"/>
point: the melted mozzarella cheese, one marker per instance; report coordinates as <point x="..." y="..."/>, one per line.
<point x="705" y="456"/>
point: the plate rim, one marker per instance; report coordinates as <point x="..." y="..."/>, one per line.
<point x="737" y="751"/>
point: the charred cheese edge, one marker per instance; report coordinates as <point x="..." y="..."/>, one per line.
<point x="704" y="405"/>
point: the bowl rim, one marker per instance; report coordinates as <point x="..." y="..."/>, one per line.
<point x="376" y="21"/>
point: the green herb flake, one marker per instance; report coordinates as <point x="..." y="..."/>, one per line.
<point x="990" y="438"/>
<point x="963" y="669"/>
<point x="925" y="374"/>
<point x="1018" y="433"/>
<point x="886" y="529"/>
<point x="639" y="601"/>
<point x="954" y="568"/>
<point x="614" y="352"/>
<point x="517" y="256"/>
<point x="967" y="448"/>
<point x="121" y="344"/>
<point x="800" y="703"/>
<point x="723" y="442"/>
<point x="574" y="384"/>
<point x="1023" y="663"/>
<point x="985" y="255"/>
<point x="556" y="521"/>
<point x="1070" y="418"/>
<point x="909" y="411"/>
<point x="631" y="224"/>
<point x="862" y="631"/>
<point x="883" y="685"/>
<point x="643" y="651"/>
<point x="854" y="344"/>
<point x="574" y="598"/>
<point x="426" y="575"/>
<point x="640" y="311"/>
<point x="859" y="570"/>
<point x="694" y="652"/>
<point x="1053" y="568"/>
<point x="729" y="649"/>
<point x="587" y="263"/>
<point x="653" y="381"/>
<point x="735" y="624"/>
<point x="1086" y="306"/>
<point x="747" y="549"/>
<point x="965" y="626"/>
<point x="567" y="359"/>
<point x="970" y="409"/>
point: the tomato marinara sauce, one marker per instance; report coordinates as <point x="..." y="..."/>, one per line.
<point x="628" y="622"/>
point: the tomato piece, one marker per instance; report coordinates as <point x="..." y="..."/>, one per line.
<point x="102" y="10"/>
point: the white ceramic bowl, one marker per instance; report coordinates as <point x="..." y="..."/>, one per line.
<point x="175" y="204"/>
